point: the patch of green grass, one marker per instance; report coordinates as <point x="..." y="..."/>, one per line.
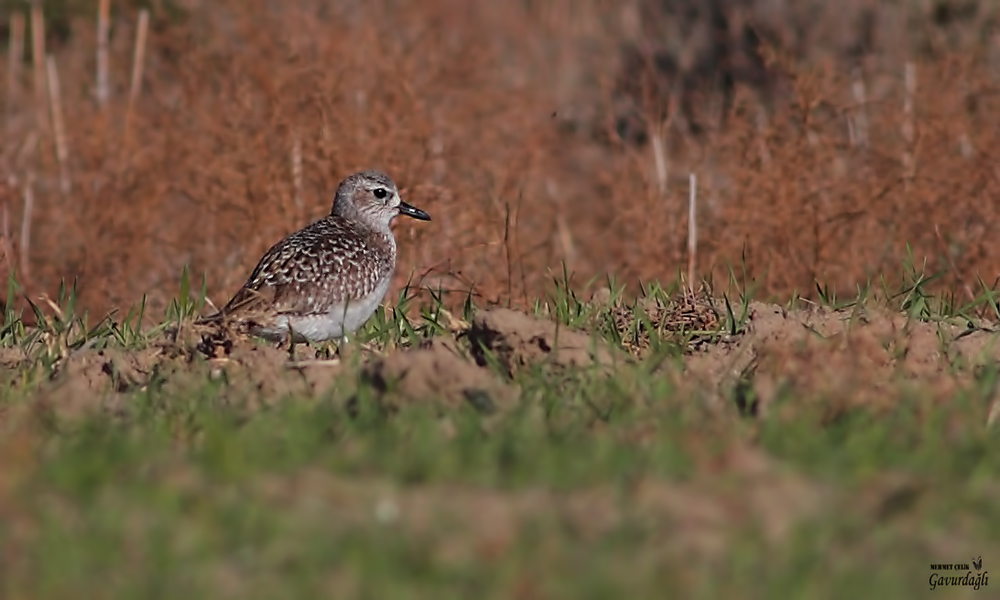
<point x="631" y="483"/>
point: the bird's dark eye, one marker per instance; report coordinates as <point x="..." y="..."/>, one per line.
<point x="380" y="193"/>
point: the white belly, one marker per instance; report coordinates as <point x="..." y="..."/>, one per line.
<point x="341" y="320"/>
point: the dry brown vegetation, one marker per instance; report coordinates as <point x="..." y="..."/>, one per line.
<point x="514" y="125"/>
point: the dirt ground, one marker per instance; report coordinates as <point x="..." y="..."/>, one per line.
<point x="840" y="359"/>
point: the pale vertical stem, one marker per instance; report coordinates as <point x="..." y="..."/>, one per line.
<point x="29" y="208"/>
<point x="15" y="56"/>
<point x="964" y="140"/>
<point x="8" y="248"/>
<point x="6" y="227"/>
<point x="296" y="160"/>
<point x="436" y="148"/>
<point x="965" y="145"/>
<point x="138" y="60"/>
<point x="437" y="151"/>
<point x="566" y="240"/>
<point x="361" y="102"/>
<point x="761" y="122"/>
<point x="38" y="59"/>
<point x="101" y="87"/>
<point x="909" y="130"/>
<point x="991" y="417"/>
<point x="860" y="114"/>
<point x="659" y="157"/>
<point x="692" y="229"/>
<point x="631" y="20"/>
<point x="562" y="238"/>
<point x="55" y="100"/>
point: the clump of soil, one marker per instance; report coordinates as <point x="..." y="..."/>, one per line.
<point x="853" y="356"/>
<point x="516" y="339"/>
<point x="439" y="371"/>
<point x="90" y="380"/>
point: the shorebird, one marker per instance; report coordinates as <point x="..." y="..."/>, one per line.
<point x="324" y="281"/>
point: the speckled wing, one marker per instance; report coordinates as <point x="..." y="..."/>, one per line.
<point x="315" y="269"/>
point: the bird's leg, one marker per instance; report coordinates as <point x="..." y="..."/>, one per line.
<point x="291" y="343"/>
<point x="328" y="349"/>
<point x="344" y="347"/>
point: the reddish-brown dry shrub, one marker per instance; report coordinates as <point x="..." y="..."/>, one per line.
<point x="497" y="119"/>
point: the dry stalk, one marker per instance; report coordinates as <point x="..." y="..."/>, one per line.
<point x="965" y="145"/>
<point x="630" y="20"/>
<point x="964" y="140"/>
<point x="657" y="128"/>
<point x="436" y="147"/>
<point x="692" y="229"/>
<point x="29" y="208"/>
<point x="563" y="238"/>
<point x="15" y="56"/>
<point x="659" y="157"/>
<point x="27" y="149"/>
<point x="951" y="262"/>
<point x="297" y="172"/>
<point x="103" y="26"/>
<point x="566" y="240"/>
<point x="909" y="130"/>
<point x="138" y="60"/>
<point x="6" y="217"/>
<point x="761" y="122"/>
<point x="8" y="249"/>
<point x="38" y="60"/>
<point x="62" y="149"/>
<point x="860" y="122"/>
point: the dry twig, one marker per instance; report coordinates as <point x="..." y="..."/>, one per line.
<point x="138" y="61"/>
<point x="692" y="230"/>
<point x="15" y="55"/>
<point x="101" y="86"/>
<point x="55" y="100"/>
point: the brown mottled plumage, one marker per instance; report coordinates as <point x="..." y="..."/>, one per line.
<point x="327" y="279"/>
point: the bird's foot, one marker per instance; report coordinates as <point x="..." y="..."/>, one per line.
<point x="345" y="348"/>
<point x="327" y="350"/>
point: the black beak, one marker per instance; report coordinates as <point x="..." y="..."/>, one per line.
<point x="412" y="211"/>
